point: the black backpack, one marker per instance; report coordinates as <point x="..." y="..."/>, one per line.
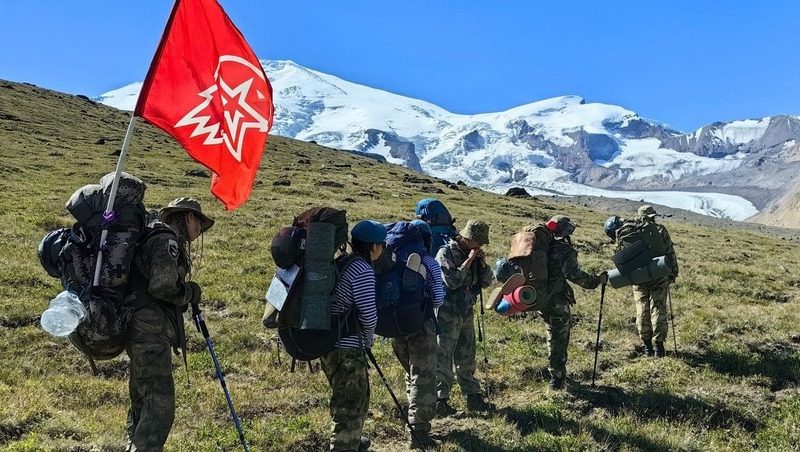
<point x="305" y="324"/>
<point x="639" y="242"/>
<point x="70" y="255"/>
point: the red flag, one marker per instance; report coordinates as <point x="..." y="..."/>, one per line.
<point x="208" y="90"/>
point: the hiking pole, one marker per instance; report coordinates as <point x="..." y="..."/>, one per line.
<point x="394" y="397"/>
<point x="599" y="321"/>
<point x="672" y="319"/>
<point x="197" y="315"/>
<point x="481" y="325"/>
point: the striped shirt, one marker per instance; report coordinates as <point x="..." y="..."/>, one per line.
<point x="434" y="287"/>
<point x="355" y="290"/>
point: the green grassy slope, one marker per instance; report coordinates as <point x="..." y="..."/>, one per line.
<point x="734" y="386"/>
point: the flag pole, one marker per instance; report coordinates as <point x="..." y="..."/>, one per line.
<point x="108" y="215"/>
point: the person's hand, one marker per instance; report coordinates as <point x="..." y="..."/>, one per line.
<point x="195" y="292"/>
<point x="603" y="277"/>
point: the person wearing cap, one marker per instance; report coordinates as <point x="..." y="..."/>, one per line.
<point x="161" y="290"/>
<point x="417" y="352"/>
<point x="346" y="365"/>
<point x="651" y="299"/>
<point x="562" y="266"/>
<point x="465" y="274"/>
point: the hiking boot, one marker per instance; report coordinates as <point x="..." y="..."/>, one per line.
<point x="443" y="408"/>
<point x="422" y="441"/>
<point x="648" y="349"/>
<point x="363" y="444"/>
<point x="659" y="350"/>
<point x="556" y="383"/>
<point x="476" y="402"/>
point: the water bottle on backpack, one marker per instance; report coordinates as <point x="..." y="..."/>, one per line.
<point x="65" y="313"/>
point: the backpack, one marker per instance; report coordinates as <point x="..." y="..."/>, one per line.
<point x="434" y="212"/>
<point x="639" y="242"/>
<point x="529" y="253"/>
<point x="306" y="326"/>
<point x="400" y="293"/>
<point x="70" y="254"/>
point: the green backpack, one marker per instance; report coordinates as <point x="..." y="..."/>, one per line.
<point x="639" y="241"/>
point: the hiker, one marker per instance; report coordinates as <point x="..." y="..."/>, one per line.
<point x="161" y="285"/>
<point x="651" y="298"/>
<point x="417" y="352"/>
<point x="441" y="223"/>
<point x="562" y="266"/>
<point x="346" y="365"/>
<point x="465" y="274"/>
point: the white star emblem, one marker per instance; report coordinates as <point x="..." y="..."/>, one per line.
<point x="239" y="115"/>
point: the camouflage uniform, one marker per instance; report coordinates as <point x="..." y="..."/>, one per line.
<point x="651" y="298"/>
<point x="158" y="284"/>
<point x="456" y="324"/>
<point x="562" y="265"/>
<point x="417" y="355"/>
<point x="346" y="370"/>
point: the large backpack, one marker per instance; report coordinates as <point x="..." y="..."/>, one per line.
<point x="434" y="212"/>
<point x="306" y="326"/>
<point x="70" y="254"/>
<point x="529" y="253"/>
<point x="400" y="292"/>
<point x="639" y="242"/>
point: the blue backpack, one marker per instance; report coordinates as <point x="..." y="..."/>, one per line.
<point x="400" y="292"/>
<point x="433" y="212"/>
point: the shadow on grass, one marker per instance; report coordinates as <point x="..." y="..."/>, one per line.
<point x="553" y="422"/>
<point x="654" y="404"/>
<point x="467" y="440"/>
<point x="778" y="362"/>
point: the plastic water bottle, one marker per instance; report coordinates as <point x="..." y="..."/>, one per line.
<point x="65" y="313"/>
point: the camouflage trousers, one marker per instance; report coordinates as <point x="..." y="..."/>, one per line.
<point x="651" y="310"/>
<point x="151" y="337"/>
<point x="557" y="324"/>
<point x="417" y="355"/>
<point x="456" y="348"/>
<point x="346" y="370"/>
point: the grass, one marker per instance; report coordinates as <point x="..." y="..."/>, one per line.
<point x="733" y="386"/>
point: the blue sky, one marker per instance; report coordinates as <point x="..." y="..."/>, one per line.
<point x="680" y="62"/>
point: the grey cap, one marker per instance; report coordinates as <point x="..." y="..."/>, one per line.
<point x="477" y="231"/>
<point x="186" y="205"/>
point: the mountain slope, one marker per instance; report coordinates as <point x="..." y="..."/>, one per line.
<point x="734" y="386"/>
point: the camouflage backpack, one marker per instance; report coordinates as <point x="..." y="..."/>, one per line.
<point x="70" y="255"/>
<point x="639" y="241"/>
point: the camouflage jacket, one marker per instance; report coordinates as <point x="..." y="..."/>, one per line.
<point x="671" y="257"/>
<point x="562" y="266"/>
<point x="162" y="266"/>
<point x="461" y="285"/>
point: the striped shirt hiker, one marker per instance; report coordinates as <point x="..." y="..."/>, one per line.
<point x="356" y="287"/>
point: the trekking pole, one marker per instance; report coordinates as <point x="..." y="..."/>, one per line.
<point x="394" y="397"/>
<point x="481" y="325"/>
<point x="672" y="319"/>
<point x="197" y="314"/>
<point x="599" y="321"/>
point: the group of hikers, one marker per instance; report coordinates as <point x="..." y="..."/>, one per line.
<point x="416" y="282"/>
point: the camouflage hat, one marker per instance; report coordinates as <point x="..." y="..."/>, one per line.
<point x="477" y="231"/>
<point x="647" y="211"/>
<point x="186" y="205"/>
<point x="561" y="226"/>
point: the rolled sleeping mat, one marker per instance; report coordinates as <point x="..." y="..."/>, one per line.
<point x="656" y="269"/>
<point x="522" y="299"/>
<point x="319" y="279"/>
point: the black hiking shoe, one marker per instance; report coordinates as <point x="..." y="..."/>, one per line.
<point x="648" y="349"/>
<point x="556" y="383"/>
<point x="363" y="444"/>
<point x="443" y="408"/>
<point x="423" y="441"/>
<point x="476" y="402"/>
<point x="659" y="351"/>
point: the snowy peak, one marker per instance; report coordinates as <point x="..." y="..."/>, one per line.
<point x="560" y="145"/>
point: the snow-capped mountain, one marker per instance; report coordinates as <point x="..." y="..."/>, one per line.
<point x="560" y="145"/>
